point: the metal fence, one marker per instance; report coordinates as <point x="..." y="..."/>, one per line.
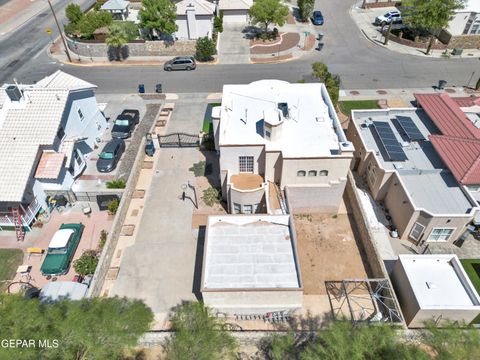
<point x="178" y="140"/>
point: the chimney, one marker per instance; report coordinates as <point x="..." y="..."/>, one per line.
<point x="14" y="93"/>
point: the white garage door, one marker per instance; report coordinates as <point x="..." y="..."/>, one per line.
<point x="235" y="16"/>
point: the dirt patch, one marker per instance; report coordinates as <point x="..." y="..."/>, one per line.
<point x="310" y="42"/>
<point x="287" y="41"/>
<point x="327" y="250"/>
<point x="290" y="18"/>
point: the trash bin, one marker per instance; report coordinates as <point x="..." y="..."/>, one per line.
<point x="158" y="88"/>
<point x="141" y="88"/>
<point x="457" y="51"/>
<point x="320" y="36"/>
<point x="442" y="84"/>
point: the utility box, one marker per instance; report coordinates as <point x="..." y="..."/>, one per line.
<point x="457" y="51"/>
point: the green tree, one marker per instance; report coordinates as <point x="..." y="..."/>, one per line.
<point x="430" y="15"/>
<point x="453" y="341"/>
<point x="117" y="37"/>
<point x="73" y="13"/>
<point x="93" y="329"/>
<point x="205" y="49"/>
<point x="305" y="9"/>
<point x="92" y="21"/>
<point x="268" y="12"/>
<point x="198" y="335"/>
<point x="332" y="83"/>
<point x="218" y="24"/>
<point x="87" y="263"/>
<point x="158" y="15"/>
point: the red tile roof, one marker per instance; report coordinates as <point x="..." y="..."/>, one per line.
<point x="462" y="157"/>
<point x="467" y="101"/>
<point x="447" y="115"/>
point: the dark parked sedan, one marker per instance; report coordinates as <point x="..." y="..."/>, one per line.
<point x="317" y="18"/>
<point x="110" y="155"/>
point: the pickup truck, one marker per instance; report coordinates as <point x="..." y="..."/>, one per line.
<point x="125" y="123"/>
<point x="61" y="249"/>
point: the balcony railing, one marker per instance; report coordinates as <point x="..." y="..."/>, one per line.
<point x="6" y="218"/>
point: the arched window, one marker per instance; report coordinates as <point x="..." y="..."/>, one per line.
<point x="301" y="173"/>
<point x="312" y="173"/>
<point x="323" y="173"/>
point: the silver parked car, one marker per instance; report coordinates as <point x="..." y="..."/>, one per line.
<point x="180" y="63"/>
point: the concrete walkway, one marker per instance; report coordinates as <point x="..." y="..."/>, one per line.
<point x="159" y="265"/>
<point x="234" y="48"/>
<point x="364" y="19"/>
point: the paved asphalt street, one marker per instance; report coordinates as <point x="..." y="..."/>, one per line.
<point x="360" y="63"/>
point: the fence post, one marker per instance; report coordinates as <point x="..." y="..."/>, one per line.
<point x="179" y="141"/>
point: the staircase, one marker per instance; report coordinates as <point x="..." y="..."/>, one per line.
<point x="17" y="222"/>
<point x="281" y="199"/>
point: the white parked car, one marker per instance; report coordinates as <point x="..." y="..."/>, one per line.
<point x="388" y="17"/>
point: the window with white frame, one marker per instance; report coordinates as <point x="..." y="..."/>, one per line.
<point x="245" y="164"/>
<point x="237" y="208"/>
<point x="440" y="234"/>
<point x="312" y="173"/>
<point x="247" y="209"/>
<point x="301" y="173"/>
<point x="80" y="114"/>
<point x="417" y="231"/>
<point x="323" y="173"/>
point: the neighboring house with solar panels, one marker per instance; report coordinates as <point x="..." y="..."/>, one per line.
<point x="277" y="138"/>
<point x="46" y="132"/>
<point x="402" y="156"/>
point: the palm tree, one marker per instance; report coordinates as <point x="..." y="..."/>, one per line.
<point x="117" y="37"/>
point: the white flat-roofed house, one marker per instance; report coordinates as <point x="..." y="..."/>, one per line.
<point x="434" y="288"/>
<point x="250" y="265"/>
<point x="274" y="136"/>
<point x="46" y="130"/>
<point x="194" y="19"/>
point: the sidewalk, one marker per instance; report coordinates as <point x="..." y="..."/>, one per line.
<point x="364" y="19"/>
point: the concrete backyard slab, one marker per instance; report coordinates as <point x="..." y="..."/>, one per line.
<point x="234" y="48"/>
<point x="158" y="263"/>
<point x="40" y="237"/>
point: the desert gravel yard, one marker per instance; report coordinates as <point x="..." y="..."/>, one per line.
<point x="327" y="250"/>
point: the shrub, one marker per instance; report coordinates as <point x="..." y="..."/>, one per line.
<point x="112" y="206"/>
<point x="211" y="196"/>
<point x="103" y="239"/>
<point x="116" y="184"/>
<point x="87" y="263"/>
<point x="205" y="49"/>
<point x="218" y="24"/>
<point x="92" y="21"/>
<point x="74" y="13"/>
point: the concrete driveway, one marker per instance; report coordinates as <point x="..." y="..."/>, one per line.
<point x="160" y="265"/>
<point x="234" y="48"/>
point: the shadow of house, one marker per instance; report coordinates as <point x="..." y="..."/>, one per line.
<point x="197" y="272"/>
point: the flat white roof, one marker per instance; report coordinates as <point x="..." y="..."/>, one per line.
<point x="311" y="128"/>
<point x="439" y="281"/>
<point x="59" y="290"/>
<point x="248" y="252"/>
<point x="60" y="238"/>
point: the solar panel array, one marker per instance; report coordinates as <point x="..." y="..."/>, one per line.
<point x="410" y="129"/>
<point x="390" y="143"/>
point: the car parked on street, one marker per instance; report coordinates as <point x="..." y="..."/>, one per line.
<point x="110" y="155"/>
<point x="125" y="124"/>
<point x="317" y="18"/>
<point x="180" y="63"/>
<point x="61" y="249"/>
<point x="387" y="18"/>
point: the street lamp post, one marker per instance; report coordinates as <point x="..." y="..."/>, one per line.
<point x="60" y="31"/>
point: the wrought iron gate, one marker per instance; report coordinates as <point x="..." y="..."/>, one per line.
<point x="178" y="140"/>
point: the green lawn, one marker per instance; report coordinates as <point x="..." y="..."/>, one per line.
<point x="207" y="120"/>
<point x="347" y="106"/>
<point x="472" y="268"/>
<point x="10" y="260"/>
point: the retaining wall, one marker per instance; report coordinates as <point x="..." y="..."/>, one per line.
<point x="94" y="48"/>
<point x="366" y="4"/>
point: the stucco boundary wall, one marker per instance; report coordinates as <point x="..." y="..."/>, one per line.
<point x="95" y="48"/>
<point x="114" y="234"/>
<point x="368" y="4"/>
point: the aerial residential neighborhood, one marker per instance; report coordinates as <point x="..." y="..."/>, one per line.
<point x="237" y="179"/>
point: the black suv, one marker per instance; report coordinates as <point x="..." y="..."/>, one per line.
<point x="125" y="124"/>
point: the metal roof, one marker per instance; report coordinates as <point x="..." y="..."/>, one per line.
<point x="28" y="124"/>
<point x="58" y="290"/>
<point x="467" y="101"/>
<point x="50" y="165"/>
<point x="462" y="156"/>
<point x="115" y="5"/>
<point x="447" y="115"/>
